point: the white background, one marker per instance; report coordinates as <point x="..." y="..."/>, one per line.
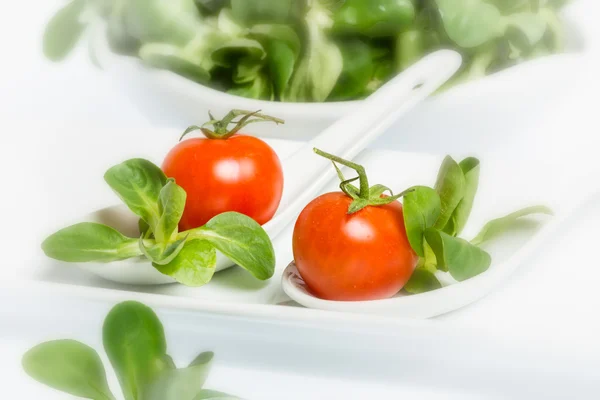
<point x="552" y="303"/>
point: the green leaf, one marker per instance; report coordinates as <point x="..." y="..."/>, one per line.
<point x="384" y="71"/>
<point x="470" y="23"/>
<point x="144" y="228"/>
<point x="88" y="241"/>
<point x="194" y="265"/>
<point x="281" y="61"/>
<point x="514" y="6"/>
<point x="171" y="203"/>
<point x="319" y="68"/>
<point x="182" y="383"/>
<point x="247" y="70"/>
<point x="421" y="281"/>
<point x="163" y="252"/>
<point x="531" y="25"/>
<point x="357" y="72"/>
<point x="373" y="18"/>
<point x="283" y="49"/>
<point x="119" y="39"/>
<point x="261" y="11"/>
<point x="260" y="88"/>
<point x="281" y="33"/>
<point x="462" y="259"/>
<point x="242" y="240"/>
<point x="211" y="6"/>
<point x="470" y="168"/>
<point x="429" y="261"/>
<point x="206" y="394"/>
<point x="64" y="31"/>
<point x="69" y="366"/>
<point x="161" y="21"/>
<point x="138" y="183"/>
<point x="422" y="208"/>
<point x="134" y="341"/>
<point x="229" y="53"/>
<point x="175" y="59"/>
<point x="498" y="226"/>
<point x="450" y="186"/>
<point x="410" y="47"/>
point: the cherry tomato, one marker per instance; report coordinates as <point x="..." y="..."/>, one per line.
<point x="361" y="256"/>
<point x="240" y="173"/>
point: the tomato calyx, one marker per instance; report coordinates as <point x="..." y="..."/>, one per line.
<point x="364" y="195"/>
<point x="220" y="127"/>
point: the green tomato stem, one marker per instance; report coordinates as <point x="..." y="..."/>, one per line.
<point x="360" y="170"/>
<point x="365" y="195"/>
<point x="220" y="128"/>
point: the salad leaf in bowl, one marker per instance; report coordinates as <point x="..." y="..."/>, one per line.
<point x="310" y="50"/>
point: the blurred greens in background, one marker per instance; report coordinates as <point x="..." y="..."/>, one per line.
<point x="311" y="50"/>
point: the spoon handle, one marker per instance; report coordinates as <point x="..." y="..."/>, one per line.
<point x="306" y="173"/>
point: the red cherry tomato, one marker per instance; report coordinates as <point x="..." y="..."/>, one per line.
<point x="240" y="173"/>
<point x="361" y="256"/>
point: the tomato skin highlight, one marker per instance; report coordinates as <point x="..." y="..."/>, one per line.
<point x="352" y="257"/>
<point x="241" y="173"/>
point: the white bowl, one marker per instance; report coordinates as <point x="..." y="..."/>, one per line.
<point x="168" y="99"/>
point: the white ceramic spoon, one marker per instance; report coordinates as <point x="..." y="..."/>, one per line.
<point x="304" y="172"/>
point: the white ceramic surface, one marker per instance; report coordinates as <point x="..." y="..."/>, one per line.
<point x="304" y="172"/>
<point x="167" y="99"/>
<point x="272" y="359"/>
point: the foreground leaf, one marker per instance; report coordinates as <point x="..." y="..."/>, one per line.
<point x="134" y="341"/>
<point x="498" y="226"/>
<point x="162" y="253"/>
<point x="182" y="383"/>
<point x="450" y="185"/>
<point x="171" y="203"/>
<point x="138" y="183"/>
<point x="69" y="366"/>
<point x="242" y="240"/>
<point x="421" y="211"/>
<point x="89" y="241"/>
<point x="462" y="259"/>
<point x="64" y="31"/>
<point x="470" y="168"/>
<point x="421" y="281"/>
<point x="194" y="265"/>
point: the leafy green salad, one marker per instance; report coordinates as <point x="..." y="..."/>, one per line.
<point x="311" y="50"/>
<point x="135" y="343"/>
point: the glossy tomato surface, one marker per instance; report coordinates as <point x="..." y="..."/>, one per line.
<point x="241" y="173"/>
<point x="362" y="256"/>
